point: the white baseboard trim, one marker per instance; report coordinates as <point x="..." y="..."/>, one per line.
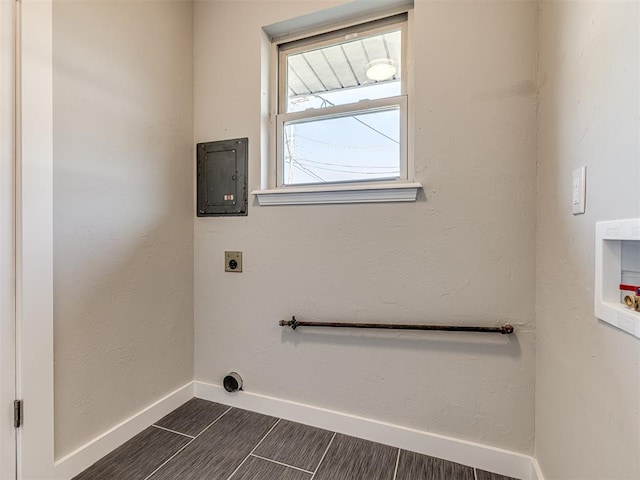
<point x="78" y="460"/>
<point x="461" y="451"/>
<point x="493" y="459"/>
<point x="536" y="471"/>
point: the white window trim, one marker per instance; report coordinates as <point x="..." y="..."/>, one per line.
<point x="383" y="25"/>
<point x="351" y="193"/>
<point x="404" y="189"/>
<point x="365" y="106"/>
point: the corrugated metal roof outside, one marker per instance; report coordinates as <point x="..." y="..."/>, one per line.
<point x="342" y="66"/>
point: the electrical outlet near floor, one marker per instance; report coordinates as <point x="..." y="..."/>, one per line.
<point x="233" y="262"/>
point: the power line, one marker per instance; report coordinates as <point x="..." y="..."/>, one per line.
<point x="341" y="164"/>
<point x="350" y="147"/>
<point x="346" y="171"/>
<point x="358" y="120"/>
<point x="306" y="170"/>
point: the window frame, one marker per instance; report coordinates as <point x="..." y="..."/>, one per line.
<point x="366" y="106"/>
<point x="269" y="194"/>
<point x="336" y="36"/>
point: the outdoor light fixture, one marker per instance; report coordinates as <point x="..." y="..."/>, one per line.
<point x="381" y="69"/>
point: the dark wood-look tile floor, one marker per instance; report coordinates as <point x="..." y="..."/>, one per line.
<point x="204" y="440"/>
<point x="482" y="475"/>
<point x="137" y="458"/>
<point x="413" y="466"/>
<point x="350" y="458"/>
<point x="192" y="417"/>
<point x="295" y="444"/>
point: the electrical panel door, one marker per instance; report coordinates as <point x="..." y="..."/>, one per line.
<point x="222" y="177"/>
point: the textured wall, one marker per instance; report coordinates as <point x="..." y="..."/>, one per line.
<point x="588" y="380"/>
<point x="123" y="216"/>
<point x="464" y="253"/>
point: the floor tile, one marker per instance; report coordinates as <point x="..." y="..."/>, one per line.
<point x="258" y="469"/>
<point x="137" y="458"/>
<point x="192" y="417"/>
<point x="414" y="466"/>
<point x="295" y="444"/>
<point x="351" y="458"/>
<point x="218" y="451"/>
<point x="482" y="475"/>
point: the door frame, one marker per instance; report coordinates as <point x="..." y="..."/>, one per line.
<point x="34" y="240"/>
<point x="8" y="18"/>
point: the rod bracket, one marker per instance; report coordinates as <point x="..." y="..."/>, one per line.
<point x="293" y="323"/>
<point x="506" y="329"/>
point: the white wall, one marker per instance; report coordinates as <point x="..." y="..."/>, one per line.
<point x="588" y="381"/>
<point x="464" y="253"/>
<point x="123" y="213"/>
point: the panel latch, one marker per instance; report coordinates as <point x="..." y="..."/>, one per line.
<point x="17" y="413"/>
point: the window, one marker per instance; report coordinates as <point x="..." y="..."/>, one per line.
<point x="341" y="115"/>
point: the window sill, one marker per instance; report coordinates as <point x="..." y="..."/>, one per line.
<point x="371" y="193"/>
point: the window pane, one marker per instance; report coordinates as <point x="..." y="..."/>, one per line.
<point x="362" y="146"/>
<point x="357" y="69"/>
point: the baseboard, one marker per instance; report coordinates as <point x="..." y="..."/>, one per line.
<point x="77" y="461"/>
<point x="493" y="459"/>
<point x="488" y="458"/>
<point x="536" y="471"/>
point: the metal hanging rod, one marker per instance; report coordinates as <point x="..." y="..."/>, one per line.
<point x="505" y="329"/>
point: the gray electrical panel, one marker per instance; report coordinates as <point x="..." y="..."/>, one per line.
<point x="222" y="177"/>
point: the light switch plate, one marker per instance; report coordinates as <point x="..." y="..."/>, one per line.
<point x="233" y="262"/>
<point x="578" y="191"/>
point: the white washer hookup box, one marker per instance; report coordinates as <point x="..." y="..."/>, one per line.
<point x="612" y="276"/>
